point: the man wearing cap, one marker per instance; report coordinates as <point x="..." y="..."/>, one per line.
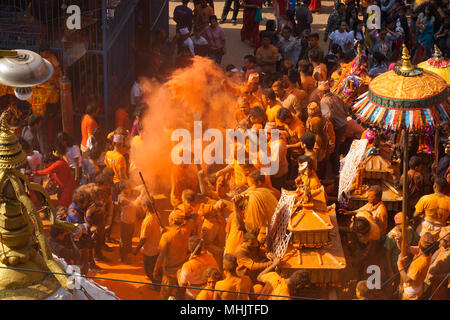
<point x="334" y="109"/>
<point x="413" y="276"/>
<point x="435" y="209"/>
<point x="187" y="41"/>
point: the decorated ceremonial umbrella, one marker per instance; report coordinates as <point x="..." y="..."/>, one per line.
<point x="407" y="99"/>
<point x="437" y="64"/>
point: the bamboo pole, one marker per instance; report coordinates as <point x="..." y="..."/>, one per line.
<point x="405" y="191"/>
<point x="436" y="150"/>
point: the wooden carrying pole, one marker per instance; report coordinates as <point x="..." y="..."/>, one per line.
<point x="436" y="150"/>
<point x="405" y="191"/>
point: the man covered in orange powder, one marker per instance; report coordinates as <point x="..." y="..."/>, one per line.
<point x="191" y="273"/>
<point x="183" y="176"/>
<point x="272" y="105"/>
<point x="232" y="282"/>
<point x="213" y="231"/>
<point x="173" y="253"/>
<point x="325" y="139"/>
<point x="293" y="125"/>
<point x="279" y="287"/>
<point x="211" y="276"/>
<point x="242" y="112"/>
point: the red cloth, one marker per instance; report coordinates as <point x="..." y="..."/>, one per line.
<point x="282" y="6"/>
<point x="250" y="28"/>
<point x="63" y="176"/>
<point x="315" y="5"/>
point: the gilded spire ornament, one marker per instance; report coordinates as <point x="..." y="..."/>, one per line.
<point x="407" y="69"/>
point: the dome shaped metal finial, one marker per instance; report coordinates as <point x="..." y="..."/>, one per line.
<point x="24" y="69"/>
<point x="11" y="153"/>
<point x="406" y="61"/>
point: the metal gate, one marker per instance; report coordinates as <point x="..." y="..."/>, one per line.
<point x="105" y="71"/>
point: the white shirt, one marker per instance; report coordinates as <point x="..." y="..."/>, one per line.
<point x="136" y="91"/>
<point x="35" y="164"/>
<point x="72" y="153"/>
<point x="341" y="38"/>
<point x="200" y="41"/>
<point x="190" y="44"/>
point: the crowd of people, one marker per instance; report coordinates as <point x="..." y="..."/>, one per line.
<point x="216" y="237"/>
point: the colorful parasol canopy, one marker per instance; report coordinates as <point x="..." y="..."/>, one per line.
<point x="407" y="97"/>
<point x="437" y="64"/>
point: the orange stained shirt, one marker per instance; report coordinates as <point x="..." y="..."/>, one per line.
<point x="295" y="129"/>
<point x="416" y="275"/>
<point x="435" y="207"/>
<point x="234" y="236"/>
<point x="239" y="115"/>
<point x="379" y="213"/>
<point x="234" y="283"/>
<point x="205" y="295"/>
<point x="271" y="112"/>
<point x="151" y="232"/>
<point x="278" y="284"/>
<point x="116" y="161"/>
<point x="191" y="274"/>
<point x="122" y="119"/>
<point x="182" y="177"/>
<point x="88" y="124"/>
<point x="308" y="83"/>
<point x="213" y="233"/>
<point x="174" y="246"/>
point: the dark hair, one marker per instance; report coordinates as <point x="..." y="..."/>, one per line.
<point x="257" y="112"/>
<point x="305" y="66"/>
<point x="102" y="179"/>
<point x="251" y="58"/>
<point x="60" y="138"/>
<point x="361" y="286"/>
<point x="315" y="55"/>
<point x="257" y="176"/>
<point x="230" y="263"/>
<point x="270" y="25"/>
<point x="122" y="185"/>
<point x="49" y="158"/>
<point x="300" y="277"/>
<point x="287" y="28"/>
<point x="34" y="119"/>
<point x="379" y="57"/>
<point x="377" y="189"/>
<point x="250" y="236"/>
<point x="309" y="140"/>
<point x="415" y="161"/>
<point x="230" y="67"/>
<point x="284" y="114"/>
<point x="440" y="184"/>
<point x="213" y="17"/>
<point x="304" y="158"/>
<point x="91" y="109"/>
<point x="269" y="93"/>
<point x="265" y="34"/>
<point x="361" y="225"/>
<point x="211" y="273"/>
<point x="80" y="196"/>
<point x="293" y="76"/>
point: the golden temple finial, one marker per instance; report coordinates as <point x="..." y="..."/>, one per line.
<point x="406" y="61"/>
<point x="437" y="53"/>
